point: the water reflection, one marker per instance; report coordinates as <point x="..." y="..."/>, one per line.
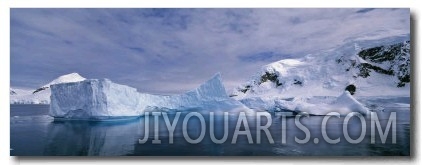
<point x="121" y="138"/>
<point x="91" y="138"/>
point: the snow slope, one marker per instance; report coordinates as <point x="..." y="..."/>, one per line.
<point x="102" y="99"/>
<point x="316" y="82"/>
<point x="40" y="95"/>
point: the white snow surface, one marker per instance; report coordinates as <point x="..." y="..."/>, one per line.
<point x="72" y="77"/>
<point x="103" y="99"/>
<point x="343" y="104"/>
<point x="27" y="96"/>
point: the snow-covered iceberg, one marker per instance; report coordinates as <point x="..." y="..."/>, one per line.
<point x="102" y="99"/>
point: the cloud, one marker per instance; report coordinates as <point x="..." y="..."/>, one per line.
<point x="365" y="10"/>
<point x="174" y="50"/>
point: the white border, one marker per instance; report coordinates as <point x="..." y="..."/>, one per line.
<point x="5" y="5"/>
<point x="214" y="3"/>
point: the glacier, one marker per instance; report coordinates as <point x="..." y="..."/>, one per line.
<point x="99" y="99"/>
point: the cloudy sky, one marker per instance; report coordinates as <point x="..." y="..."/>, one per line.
<point x="174" y="50"/>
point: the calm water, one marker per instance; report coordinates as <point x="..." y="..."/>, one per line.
<point x="33" y="132"/>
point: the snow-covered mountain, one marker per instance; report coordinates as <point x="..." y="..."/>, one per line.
<point x="40" y="95"/>
<point x="377" y="70"/>
<point x="318" y="83"/>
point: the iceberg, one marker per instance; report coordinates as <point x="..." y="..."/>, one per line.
<point x="99" y="99"/>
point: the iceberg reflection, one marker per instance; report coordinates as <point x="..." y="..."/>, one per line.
<point x="92" y="138"/>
